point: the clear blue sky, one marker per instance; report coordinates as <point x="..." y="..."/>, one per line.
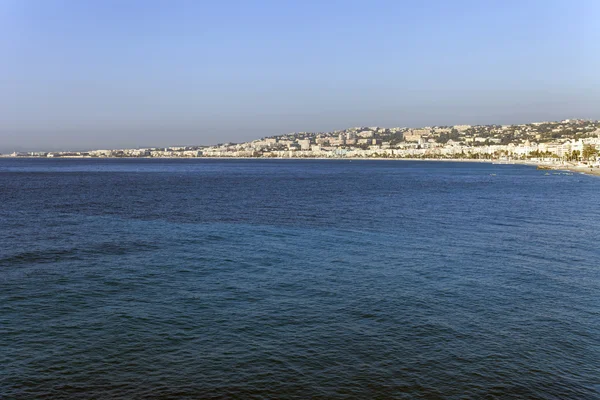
<point x="110" y="73"/>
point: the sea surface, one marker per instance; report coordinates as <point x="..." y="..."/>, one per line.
<point x="260" y="279"/>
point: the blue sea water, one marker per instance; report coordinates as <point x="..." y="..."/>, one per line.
<point x="143" y="279"/>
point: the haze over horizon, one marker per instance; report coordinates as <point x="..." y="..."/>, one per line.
<point x="110" y="74"/>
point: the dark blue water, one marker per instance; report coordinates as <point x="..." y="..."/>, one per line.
<point x="297" y="279"/>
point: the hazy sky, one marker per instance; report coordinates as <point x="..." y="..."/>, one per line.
<point x="111" y="73"/>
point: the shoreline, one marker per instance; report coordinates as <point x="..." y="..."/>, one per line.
<point x="585" y="170"/>
<point x="493" y="161"/>
<point x="581" y="170"/>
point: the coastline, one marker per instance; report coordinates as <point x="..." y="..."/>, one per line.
<point x="580" y="170"/>
<point x="487" y="161"/>
<point x="585" y="170"/>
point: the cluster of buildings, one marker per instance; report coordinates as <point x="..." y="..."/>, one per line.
<point x="568" y="140"/>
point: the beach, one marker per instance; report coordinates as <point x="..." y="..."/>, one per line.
<point x="582" y="170"/>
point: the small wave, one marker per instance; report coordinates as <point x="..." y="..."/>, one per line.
<point x="48" y="256"/>
<point x="39" y="257"/>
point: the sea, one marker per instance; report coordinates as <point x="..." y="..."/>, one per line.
<point x="297" y="279"/>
